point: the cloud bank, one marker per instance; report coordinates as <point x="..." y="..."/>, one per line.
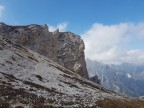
<point x="61" y="27"/>
<point x="111" y="43"/>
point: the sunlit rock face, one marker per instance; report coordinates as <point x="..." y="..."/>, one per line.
<point x="65" y="48"/>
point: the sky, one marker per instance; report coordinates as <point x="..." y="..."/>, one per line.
<point x="113" y="30"/>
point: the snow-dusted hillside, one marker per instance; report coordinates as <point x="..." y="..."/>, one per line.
<point x="29" y="78"/>
<point x="126" y="78"/>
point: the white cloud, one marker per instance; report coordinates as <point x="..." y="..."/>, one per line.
<point x="62" y="27"/>
<point x="1" y="10"/>
<point x="109" y="43"/>
<point x="133" y="56"/>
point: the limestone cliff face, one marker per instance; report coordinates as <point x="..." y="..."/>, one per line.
<point x="65" y="48"/>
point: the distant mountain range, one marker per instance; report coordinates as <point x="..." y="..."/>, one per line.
<point x="126" y="79"/>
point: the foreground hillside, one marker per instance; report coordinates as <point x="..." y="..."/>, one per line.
<point x="30" y="80"/>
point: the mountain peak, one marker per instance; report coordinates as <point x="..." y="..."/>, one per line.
<point x="65" y="48"/>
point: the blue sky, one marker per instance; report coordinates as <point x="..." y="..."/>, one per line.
<point x="80" y="14"/>
<point x="120" y="23"/>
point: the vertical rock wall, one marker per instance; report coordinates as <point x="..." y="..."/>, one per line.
<point x="65" y="48"/>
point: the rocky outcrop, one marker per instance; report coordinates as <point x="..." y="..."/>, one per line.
<point x="95" y="79"/>
<point x="65" y="48"/>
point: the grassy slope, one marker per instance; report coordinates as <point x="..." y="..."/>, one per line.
<point x="107" y="103"/>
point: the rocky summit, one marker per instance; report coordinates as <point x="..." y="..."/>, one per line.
<point x="65" y="48"/>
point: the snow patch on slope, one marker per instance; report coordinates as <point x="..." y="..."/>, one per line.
<point x="129" y="75"/>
